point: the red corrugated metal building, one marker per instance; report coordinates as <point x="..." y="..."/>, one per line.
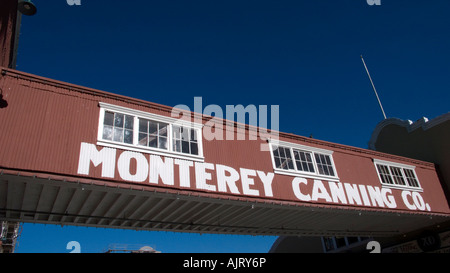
<point x="78" y="156"/>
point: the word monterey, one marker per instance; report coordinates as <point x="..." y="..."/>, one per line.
<point x="154" y="170"/>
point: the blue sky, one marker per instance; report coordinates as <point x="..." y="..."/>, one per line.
<point x="301" y="55"/>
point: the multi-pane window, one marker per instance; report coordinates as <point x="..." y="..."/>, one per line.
<point x="303" y="161"/>
<point x="145" y="131"/>
<point x="294" y="158"/>
<point x="118" y="127"/>
<point x="411" y="178"/>
<point x="283" y="159"/>
<point x="324" y="164"/>
<point x="394" y="174"/>
<point x="185" y="140"/>
<point x="153" y="134"/>
<point x="384" y="173"/>
<point x="397" y="175"/>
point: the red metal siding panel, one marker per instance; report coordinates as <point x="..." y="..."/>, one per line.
<point x="42" y="128"/>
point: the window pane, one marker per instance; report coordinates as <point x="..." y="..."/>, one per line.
<point x="107" y="132"/>
<point x="129" y="120"/>
<point x="109" y="119"/>
<point x="283" y="164"/>
<point x="193" y="135"/>
<point x="303" y="156"/>
<point x="176" y="132"/>
<point x="194" y="148"/>
<point x="300" y="166"/>
<point x="322" y="158"/>
<point x="330" y="171"/>
<point x="185" y="133"/>
<point x="185" y="147"/>
<point x="276" y="153"/>
<point x="152" y="127"/>
<point x="118" y="134"/>
<point x="317" y="158"/>
<point x="286" y="163"/>
<point x="177" y="146"/>
<point x="143" y="126"/>
<point x="118" y="120"/>
<point x="163" y="129"/>
<point x="327" y="159"/>
<point x="162" y="143"/>
<point x="152" y="141"/>
<point x="290" y="164"/>
<point x="143" y="139"/>
<point x="277" y="162"/>
<point x="320" y="169"/>
<point x="304" y="166"/>
<point x="128" y="136"/>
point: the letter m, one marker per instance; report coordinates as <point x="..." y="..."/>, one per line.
<point x="240" y="112"/>
<point x="106" y="157"/>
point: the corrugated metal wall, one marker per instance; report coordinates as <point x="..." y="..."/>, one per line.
<point x="46" y="121"/>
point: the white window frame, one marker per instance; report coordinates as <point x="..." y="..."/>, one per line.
<point x="390" y="164"/>
<point x="153" y="117"/>
<point x="295" y="171"/>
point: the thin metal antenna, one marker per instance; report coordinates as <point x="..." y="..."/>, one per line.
<point x="374" y="90"/>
